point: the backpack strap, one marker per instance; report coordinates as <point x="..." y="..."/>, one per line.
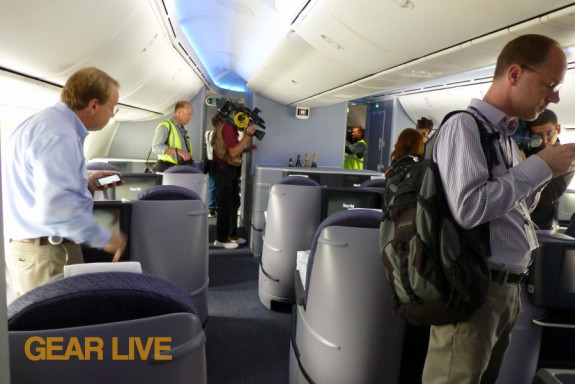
<point x="487" y="139"/>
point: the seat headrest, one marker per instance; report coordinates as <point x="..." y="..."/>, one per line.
<point x="96" y="298"/>
<point x="100" y="166"/>
<point x="358" y="218"/>
<point x="183" y="169"/>
<point x="378" y="183"/>
<point x="298" y="180"/>
<point x="168" y="192"/>
<point x="80" y="269"/>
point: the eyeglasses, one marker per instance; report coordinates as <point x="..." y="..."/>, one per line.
<point x="554" y="86"/>
<point x="549" y="133"/>
<point x="116" y="109"/>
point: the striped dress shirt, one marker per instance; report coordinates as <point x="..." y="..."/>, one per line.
<point x="506" y="200"/>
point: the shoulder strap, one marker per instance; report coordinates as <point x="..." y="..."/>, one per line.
<point x="487" y="140"/>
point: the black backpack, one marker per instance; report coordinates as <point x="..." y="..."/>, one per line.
<point x="437" y="270"/>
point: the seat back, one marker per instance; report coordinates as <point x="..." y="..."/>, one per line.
<point x="189" y="177"/>
<point x="346" y="332"/>
<point x="93" y="318"/>
<point x="522" y="356"/>
<point x="169" y="237"/>
<point x="377" y="185"/>
<point x="293" y="214"/>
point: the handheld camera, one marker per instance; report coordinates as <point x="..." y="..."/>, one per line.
<point x="530" y="144"/>
<point x="241" y="117"/>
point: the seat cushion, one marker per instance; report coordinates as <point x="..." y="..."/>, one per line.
<point x="96" y="298"/>
<point x="298" y="180"/>
<point x="183" y="169"/>
<point x="168" y="192"/>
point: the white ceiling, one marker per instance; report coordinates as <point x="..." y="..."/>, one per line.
<point x="341" y="50"/>
<point x="334" y="51"/>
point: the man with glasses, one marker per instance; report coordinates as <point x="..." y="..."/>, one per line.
<point x="526" y="80"/>
<point x="548" y="129"/>
<point x="48" y="202"/>
<point x="171" y="141"/>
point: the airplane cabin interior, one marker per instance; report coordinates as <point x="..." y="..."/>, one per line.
<point x="313" y="69"/>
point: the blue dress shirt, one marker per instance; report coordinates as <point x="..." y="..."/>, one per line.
<point x="45" y="180"/>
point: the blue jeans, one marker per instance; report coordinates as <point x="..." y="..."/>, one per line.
<point x="212" y="194"/>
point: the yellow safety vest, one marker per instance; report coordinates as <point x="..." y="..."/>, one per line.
<point x="352" y="161"/>
<point x="172" y="142"/>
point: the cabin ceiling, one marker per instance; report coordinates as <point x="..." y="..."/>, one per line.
<point x="296" y="52"/>
<point x="338" y="50"/>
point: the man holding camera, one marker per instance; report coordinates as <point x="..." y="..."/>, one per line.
<point x="227" y="160"/>
<point x="547" y="128"/>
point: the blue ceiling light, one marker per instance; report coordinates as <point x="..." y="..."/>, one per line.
<point x="231" y="81"/>
<point x="232" y="39"/>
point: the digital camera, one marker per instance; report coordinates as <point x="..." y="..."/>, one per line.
<point x="241" y="116"/>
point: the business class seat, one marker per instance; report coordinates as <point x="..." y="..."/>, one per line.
<point x="377" y="185"/>
<point x="169" y="237"/>
<point x="293" y="214"/>
<point x="189" y="177"/>
<point x="344" y="329"/>
<point x="520" y="363"/>
<point x="97" y="315"/>
<point x="100" y="166"/>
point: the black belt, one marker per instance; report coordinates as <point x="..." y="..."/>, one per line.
<point x="44" y="240"/>
<point x="504" y="277"/>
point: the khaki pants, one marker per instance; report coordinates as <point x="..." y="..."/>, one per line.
<point x="472" y="351"/>
<point x="31" y="264"/>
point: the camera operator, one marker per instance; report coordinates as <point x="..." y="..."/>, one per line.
<point x="545" y="129"/>
<point x="227" y="159"/>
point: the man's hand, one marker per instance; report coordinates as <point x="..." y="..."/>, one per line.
<point x="185" y="155"/>
<point x="250" y="130"/>
<point x="117" y="245"/>
<point x="93" y="176"/>
<point x="560" y="158"/>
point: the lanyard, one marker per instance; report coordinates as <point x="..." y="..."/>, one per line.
<point x="504" y="157"/>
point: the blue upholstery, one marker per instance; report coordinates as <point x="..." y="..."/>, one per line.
<point x="183" y="169"/>
<point x="375" y="183"/>
<point x="168" y="192"/>
<point x="298" y="180"/>
<point x="100" y="166"/>
<point x="96" y="298"/>
<point x="359" y="218"/>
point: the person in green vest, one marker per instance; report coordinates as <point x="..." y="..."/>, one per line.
<point x="171" y="142"/>
<point x="355" y="150"/>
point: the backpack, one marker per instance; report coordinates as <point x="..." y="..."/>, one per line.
<point x="437" y="270"/>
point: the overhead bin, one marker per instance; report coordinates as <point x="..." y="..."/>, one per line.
<point x="287" y="77"/>
<point x="449" y="52"/>
<point x="126" y="39"/>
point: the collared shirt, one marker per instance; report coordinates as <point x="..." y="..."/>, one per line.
<point x="505" y="201"/>
<point x="45" y="180"/>
<point x="161" y="135"/>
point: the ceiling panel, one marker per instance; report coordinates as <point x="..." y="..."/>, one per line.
<point x="127" y="39"/>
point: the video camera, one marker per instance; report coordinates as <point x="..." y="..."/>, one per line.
<point x="241" y="117"/>
<point x="529" y="144"/>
